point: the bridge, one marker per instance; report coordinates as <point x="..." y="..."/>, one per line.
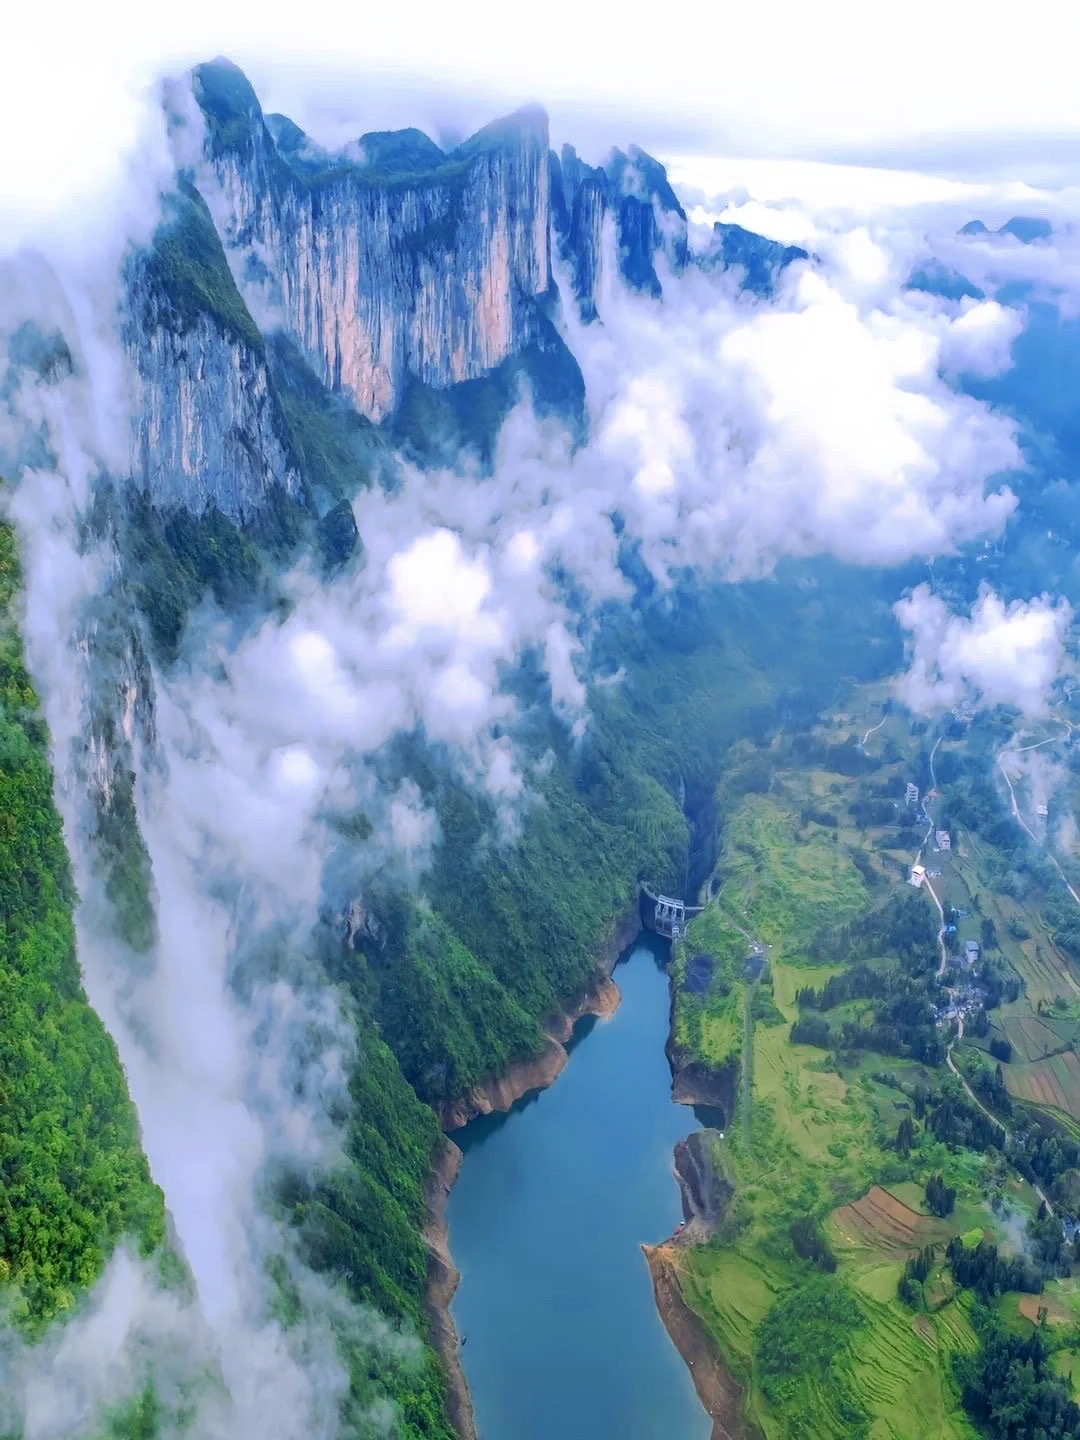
<point x="664" y="914"/>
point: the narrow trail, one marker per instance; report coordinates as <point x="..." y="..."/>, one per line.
<point x="989" y="1113"/>
<point x="1020" y="819"/>
<point x="918" y="856"/>
<point x="746" y="1080"/>
<point x="873" y="729"/>
<point x="944" y="961"/>
<point x="926" y="808"/>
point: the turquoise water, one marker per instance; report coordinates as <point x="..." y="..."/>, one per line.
<point x="562" y="1338"/>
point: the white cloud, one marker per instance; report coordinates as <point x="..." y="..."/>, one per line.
<point x="1002" y="654"/>
<point x="979" y="341"/>
<point x="413" y="826"/>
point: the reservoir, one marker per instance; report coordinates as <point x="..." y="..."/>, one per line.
<point x="546" y="1221"/>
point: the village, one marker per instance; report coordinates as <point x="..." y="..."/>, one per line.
<point x="966" y="995"/>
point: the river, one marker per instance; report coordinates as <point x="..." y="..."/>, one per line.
<point x="546" y="1220"/>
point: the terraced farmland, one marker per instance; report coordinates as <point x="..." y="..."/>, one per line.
<point x="880" y="1221"/>
<point x="902" y="1369"/>
<point x="1054" y="1083"/>
<point x="1034" y="1037"/>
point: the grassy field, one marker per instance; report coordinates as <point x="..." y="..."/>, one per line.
<point x="708" y="970"/>
<point x="818" y="1139"/>
<point x="785" y="880"/>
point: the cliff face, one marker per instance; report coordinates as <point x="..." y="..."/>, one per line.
<point x="207" y="428"/>
<point x="395" y="261"/>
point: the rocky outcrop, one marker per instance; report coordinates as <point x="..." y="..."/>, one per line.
<point x="390" y="260"/>
<point x="693" y="1082"/>
<point x="705" y="1192"/>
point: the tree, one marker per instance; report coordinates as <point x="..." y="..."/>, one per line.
<point x="905" y="1137"/>
<point x="940" y="1198"/>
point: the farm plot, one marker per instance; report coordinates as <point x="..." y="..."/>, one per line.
<point x="1056" y="1313"/>
<point x="1033" y="1037"/>
<point x="1054" y="1083"/>
<point x="880" y="1221"/>
<point x="1044" y="970"/>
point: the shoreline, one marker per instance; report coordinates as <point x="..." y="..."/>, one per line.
<point x="443" y="1278"/>
<point x="720" y="1395"/>
<point x="502" y="1090"/>
<point x="499" y="1093"/>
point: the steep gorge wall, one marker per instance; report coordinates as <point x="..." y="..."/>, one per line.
<point x="393" y="270"/>
<point x="206" y="428"/>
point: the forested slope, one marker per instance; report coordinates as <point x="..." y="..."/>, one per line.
<point x="73" y="1178"/>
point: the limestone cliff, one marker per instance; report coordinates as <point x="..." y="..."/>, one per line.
<point x="206" y="424"/>
<point x="402" y="293"/>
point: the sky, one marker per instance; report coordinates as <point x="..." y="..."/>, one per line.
<point x="928" y="84"/>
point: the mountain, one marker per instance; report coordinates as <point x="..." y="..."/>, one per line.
<point x="761" y="260"/>
<point x="632" y="190"/>
<point x="1025" y="228"/>
<point x="934" y="278"/>
<point x="401" y="263"/>
<point x="399" y="288"/>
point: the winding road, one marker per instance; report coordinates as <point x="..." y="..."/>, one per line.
<point x="943" y="964"/>
<point x="989" y="1113"/>
<point x="918" y="856"/>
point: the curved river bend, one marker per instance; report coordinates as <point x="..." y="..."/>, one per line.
<point x="561" y="1337"/>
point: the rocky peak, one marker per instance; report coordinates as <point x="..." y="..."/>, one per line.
<point x="760" y="259"/>
<point x="633" y="189"/>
